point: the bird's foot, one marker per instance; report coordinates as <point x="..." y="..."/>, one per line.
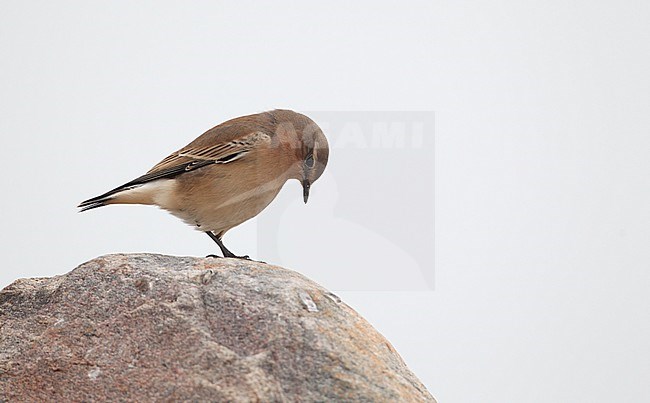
<point x="248" y="258"/>
<point x="245" y="257"/>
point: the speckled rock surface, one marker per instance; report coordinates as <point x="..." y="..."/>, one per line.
<point x="143" y="327"/>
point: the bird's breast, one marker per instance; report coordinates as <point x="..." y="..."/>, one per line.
<point x="217" y="199"/>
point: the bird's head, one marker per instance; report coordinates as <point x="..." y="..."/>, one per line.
<point x="314" y="159"/>
<point x="310" y="147"/>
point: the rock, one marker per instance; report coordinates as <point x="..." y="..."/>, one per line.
<point x="143" y="327"/>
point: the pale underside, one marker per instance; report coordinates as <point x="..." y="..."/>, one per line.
<point x="240" y="179"/>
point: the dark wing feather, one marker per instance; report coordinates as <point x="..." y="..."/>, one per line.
<point x="217" y="153"/>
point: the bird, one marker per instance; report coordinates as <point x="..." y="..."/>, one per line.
<point x="230" y="173"/>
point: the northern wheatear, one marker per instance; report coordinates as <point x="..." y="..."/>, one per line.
<point x="230" y="173"/>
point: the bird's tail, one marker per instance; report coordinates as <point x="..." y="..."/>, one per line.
<point x="119" y="195"/>
<point x="147" y="189"/>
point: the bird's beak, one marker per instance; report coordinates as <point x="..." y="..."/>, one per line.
<point x="305" y="189"/>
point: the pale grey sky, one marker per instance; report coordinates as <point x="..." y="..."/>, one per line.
<point x="542" y="118"/>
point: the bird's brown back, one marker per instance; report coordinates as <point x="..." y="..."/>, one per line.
<point x="231" y="136"/>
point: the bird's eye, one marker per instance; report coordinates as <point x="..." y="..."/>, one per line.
<point x="309" y="161"/>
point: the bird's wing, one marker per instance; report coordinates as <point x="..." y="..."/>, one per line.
<point x="197" y="155"/>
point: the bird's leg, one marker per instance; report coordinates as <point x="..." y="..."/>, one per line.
<point x="214" y="238"/>
<point x="224" y="250"/>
